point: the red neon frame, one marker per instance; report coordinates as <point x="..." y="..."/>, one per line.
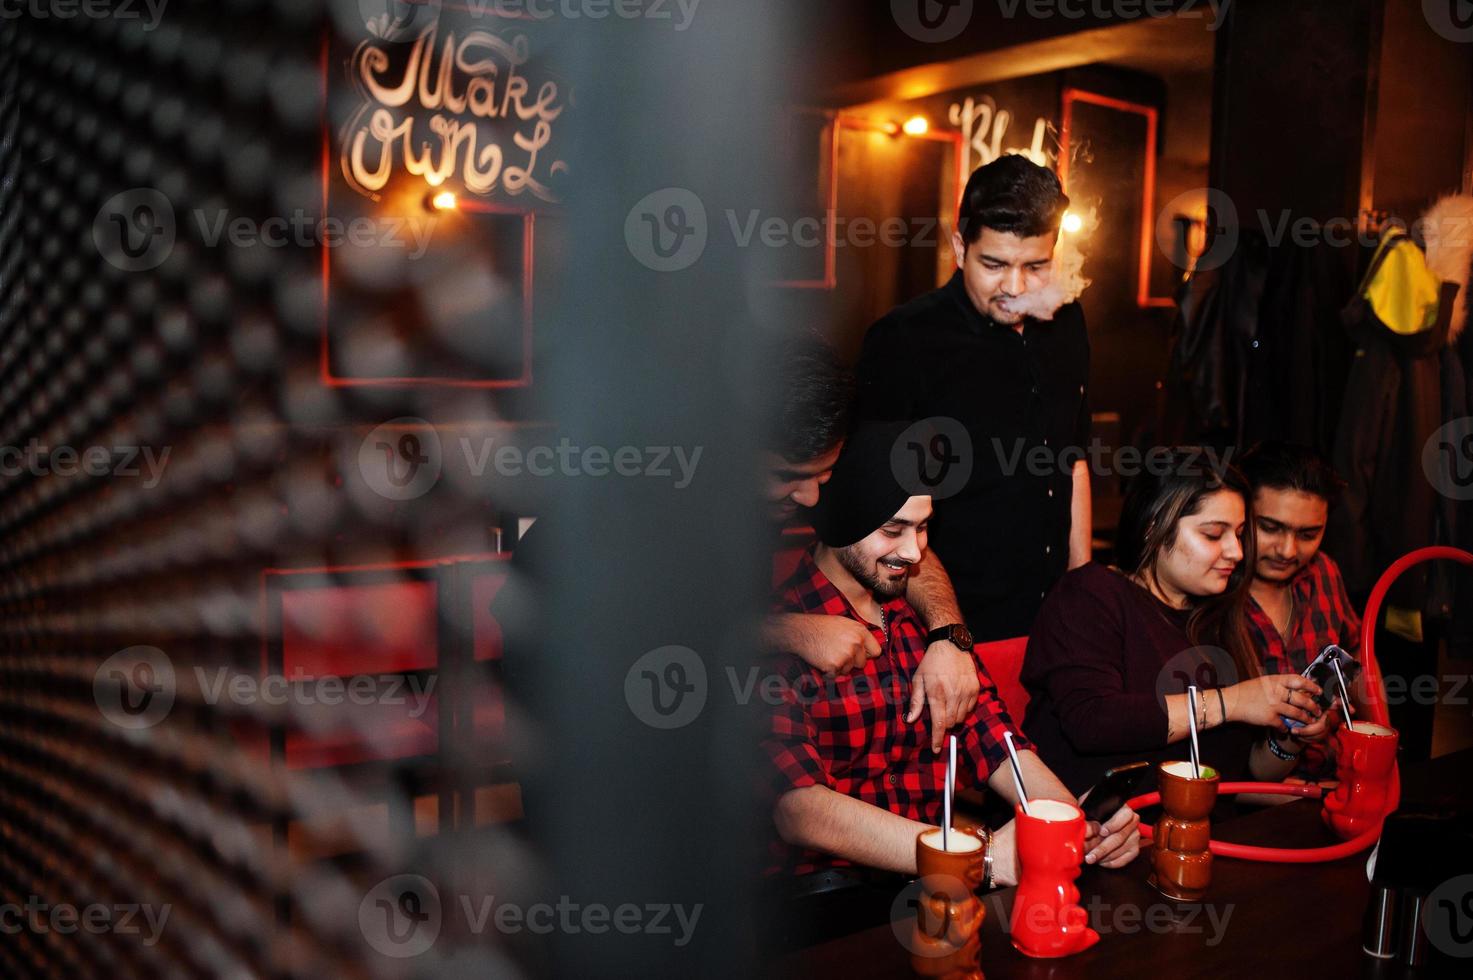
<point x="522" y="380"/>
<point x="267" y="574"/>
<point x="278" y="747"/>
<point x="1144" y="299"/>
<point x="840" y="121"/>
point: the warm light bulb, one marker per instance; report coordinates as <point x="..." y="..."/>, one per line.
<point x="917" y="126"/>
<point x="444" y="201"/>
<point x="1073" y="223"/>
<point x="434" y="179"/>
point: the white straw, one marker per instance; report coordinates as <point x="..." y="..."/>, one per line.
<point x="1192" y="725"/>
<point x="946" y="796"/>
<point x="1017" y="773"/>
<point x="1344" y="694"/>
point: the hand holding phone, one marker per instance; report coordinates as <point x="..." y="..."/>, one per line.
<point x="1116" y="786"/>
<point x="1322" y="672"/>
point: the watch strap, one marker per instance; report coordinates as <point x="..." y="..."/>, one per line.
<point x="948" y="632"/>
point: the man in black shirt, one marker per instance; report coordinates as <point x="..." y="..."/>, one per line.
<point x="986" y="351"/>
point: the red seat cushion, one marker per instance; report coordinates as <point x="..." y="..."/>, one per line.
<point x="1004" y="661"/>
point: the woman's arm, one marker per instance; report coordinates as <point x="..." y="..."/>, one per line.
<point x="1259" y="700"/>
<point x="1079" y="651"/>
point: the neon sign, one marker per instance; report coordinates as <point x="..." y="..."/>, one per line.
<point x="446" y="111"/>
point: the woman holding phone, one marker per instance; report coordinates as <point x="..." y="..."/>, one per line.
<point x="1115" y="647"/>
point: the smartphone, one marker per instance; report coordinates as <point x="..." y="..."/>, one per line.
<point x="1323" y="673"/>
<point x="1114" y="788"/>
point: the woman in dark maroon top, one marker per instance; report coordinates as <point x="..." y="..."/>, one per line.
<point x="1114" y="648"/>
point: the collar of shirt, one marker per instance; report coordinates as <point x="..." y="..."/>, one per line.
<point x="809" y="590"/>
<point x="1281" y="651"/>
<point x="1270" y="641"/>
<point x="1303" y="583"/>
<point x="973" y="318"/>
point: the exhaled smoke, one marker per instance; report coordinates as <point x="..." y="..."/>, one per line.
<point x="1067" y="281"/>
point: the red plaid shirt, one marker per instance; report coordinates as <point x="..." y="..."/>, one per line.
<point x="849" y="733"/>
<point x="1322" y="616"/>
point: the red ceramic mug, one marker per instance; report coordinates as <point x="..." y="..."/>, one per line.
<point x="946" y="940"/>
<point x="1364" y="759"/>
<point x="1047" y="918"/>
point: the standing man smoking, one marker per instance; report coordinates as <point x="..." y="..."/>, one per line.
<point x="989" y="351"/>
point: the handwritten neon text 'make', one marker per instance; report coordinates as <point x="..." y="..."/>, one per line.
<point x="492" y="88"/>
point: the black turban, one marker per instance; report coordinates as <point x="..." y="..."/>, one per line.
<point x="865" y="490"/>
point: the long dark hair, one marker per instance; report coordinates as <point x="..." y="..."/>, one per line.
<point x="1149" y="521"/>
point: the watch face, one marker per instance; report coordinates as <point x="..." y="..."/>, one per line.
<point x="962" y="637"/>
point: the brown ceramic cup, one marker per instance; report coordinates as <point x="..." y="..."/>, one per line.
<point x="947" y="936"/>
<point x="1181" y="864"/>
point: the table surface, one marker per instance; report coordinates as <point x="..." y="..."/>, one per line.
<point x="1260" y="920"/>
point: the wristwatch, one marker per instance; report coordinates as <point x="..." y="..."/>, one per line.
<point x="955" y="632"/>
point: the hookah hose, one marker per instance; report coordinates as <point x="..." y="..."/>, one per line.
<point x="1375" y="689"/>
<point x="1376" y="712"/>
<point x="1279" y="855"/>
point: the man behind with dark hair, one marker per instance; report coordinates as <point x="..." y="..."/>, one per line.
<point x="806" y="423"/>
<point x="805" y="426"/>
<point x="1012" y="368"/>
<point x="1299" y="604"/>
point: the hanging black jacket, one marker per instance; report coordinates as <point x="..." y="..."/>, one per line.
<point x="1258" y="350"/>
<point x="1392" y="407"/>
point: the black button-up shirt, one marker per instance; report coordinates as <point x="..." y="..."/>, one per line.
<point x="1004" y="538"/>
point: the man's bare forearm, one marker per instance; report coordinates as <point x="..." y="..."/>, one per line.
<point x="784" y="633"/>
<point x="931" y="594"/>
<point x="1039" y="779"/>
<point x="824" y="820"/>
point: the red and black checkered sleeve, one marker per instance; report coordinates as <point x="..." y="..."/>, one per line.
<point x="790" y="746"/>
<point x="984" y="743"/>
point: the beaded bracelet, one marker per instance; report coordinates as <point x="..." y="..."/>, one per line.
<point x="1278" y="750"/>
